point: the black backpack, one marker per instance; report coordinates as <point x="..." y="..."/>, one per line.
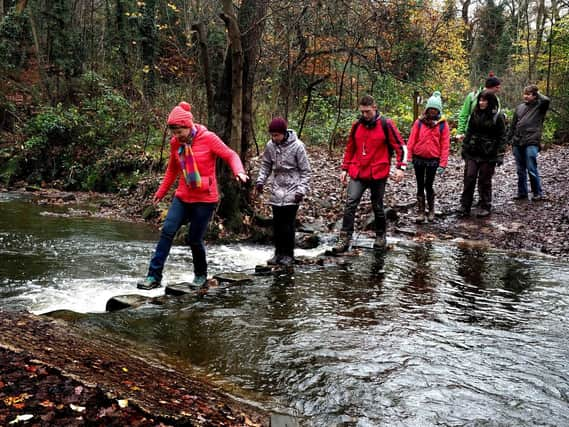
<point x="385" y="127"/>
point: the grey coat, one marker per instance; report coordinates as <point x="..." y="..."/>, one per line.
<point x="291" y="171"/>
<point x="527" y="123"/>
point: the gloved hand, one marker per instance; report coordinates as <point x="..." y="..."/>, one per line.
<point x="440" y="170"/>
<point x="259" y="188"/>
<point x="298" y="197"/>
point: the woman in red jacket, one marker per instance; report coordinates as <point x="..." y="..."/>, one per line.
<point x="428" y="147"/>
<point x="193" y="154"/>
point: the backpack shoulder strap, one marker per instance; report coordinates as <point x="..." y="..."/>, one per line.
<point x="385" y="127"/>
<point x="354" y="129"/>
<point x="441" y="126"/>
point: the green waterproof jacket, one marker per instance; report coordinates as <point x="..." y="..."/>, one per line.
<point x="467" y="109"/>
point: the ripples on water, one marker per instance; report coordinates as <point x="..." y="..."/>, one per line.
<point x="425" y="335"/>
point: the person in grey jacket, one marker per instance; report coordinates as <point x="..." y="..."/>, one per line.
<point x="285" y="157"/>
<point x="525" y="136"/>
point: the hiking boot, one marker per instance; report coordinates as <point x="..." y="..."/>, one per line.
<point x="343" y="243"/>
<point x="537" y="198"/>
<point x="431" y="214"/>
<point x="380" y="242"/>
<point x="199" y="280"/>
<point x="520" y="197"/>
<point x="148" y="284"/>
<point x="274" y="260"/>
<point x="483" y="213"/>
<point x="463" y="212"/>
<point x="286" y="261"/>
<point x="420" y="209"/>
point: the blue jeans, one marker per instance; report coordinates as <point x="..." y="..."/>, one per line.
<point x="356" y="189"/>
<point x="526" y="164"/>
<point x="180" y="213"/>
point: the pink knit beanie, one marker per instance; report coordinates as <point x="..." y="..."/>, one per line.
<point x="181" y="116"/>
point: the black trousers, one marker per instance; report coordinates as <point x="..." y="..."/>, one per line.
<point x="482" y="172"/>
<point x="425" y="175"/>
<point x="284" y="221"/>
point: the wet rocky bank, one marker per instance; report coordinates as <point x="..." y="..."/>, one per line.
<point x="52" y="374"/>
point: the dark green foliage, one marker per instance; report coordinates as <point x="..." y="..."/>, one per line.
<point x="66" y="50"/>
<point x="14" y="38"/>
<point x="91" y="146"/>
<point x="492" y="43"/>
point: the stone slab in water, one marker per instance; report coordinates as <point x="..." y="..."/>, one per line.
<point x="67" y="315"/>
<point x="125" y="301"/>
<point x="282" y="420"/>
<point x="233" y="278"/>
<point x="263" y="269"/>
<point x="179" y="289"/>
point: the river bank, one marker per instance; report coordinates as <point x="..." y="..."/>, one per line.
<point x="52" y="374"/>
<point x="539" y="226"/>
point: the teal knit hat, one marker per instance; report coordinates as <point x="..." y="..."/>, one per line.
<point x="435" y="102"/>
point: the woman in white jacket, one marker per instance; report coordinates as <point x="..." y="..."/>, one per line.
<point x="285" y="157"/>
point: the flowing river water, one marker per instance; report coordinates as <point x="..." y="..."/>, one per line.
<point x="427" y="334"/>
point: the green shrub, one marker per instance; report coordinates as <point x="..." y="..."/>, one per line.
<point x="84" y="145"/>
<point x="15" y="36"/>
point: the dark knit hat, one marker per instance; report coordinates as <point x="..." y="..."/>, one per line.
<point x="278" y="125"/>
<point x="492" y="81"/>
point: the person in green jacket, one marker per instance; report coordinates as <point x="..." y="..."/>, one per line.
<point x="493" y="85"/>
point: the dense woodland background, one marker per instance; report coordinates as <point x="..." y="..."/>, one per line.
<point x="86" y="85"/>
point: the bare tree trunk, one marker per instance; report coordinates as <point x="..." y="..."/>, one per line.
<point x="21" y="5"/>
<point x="234" y="115"/>
<point x="236" y="52"/>
<point x="41" y="65"/>
<point x="148" y="47"/>
<point x="540" y="28"/>
<point x="311" y="87"/>
<point x="201" y="34"/>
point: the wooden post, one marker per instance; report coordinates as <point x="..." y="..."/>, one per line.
<point x="416" y="102"/>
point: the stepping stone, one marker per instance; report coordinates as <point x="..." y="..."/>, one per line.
<point x="264" y="270"/>
<point x="179" y="289"/>
<point x="233" y="278"/>
<point x="282" y="420"/>
<point x="67" y="315"/>
<point x="125" y="301"/>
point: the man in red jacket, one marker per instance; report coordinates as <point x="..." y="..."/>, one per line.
<point x="193" y="154"/>
<point x="367" y="160"/>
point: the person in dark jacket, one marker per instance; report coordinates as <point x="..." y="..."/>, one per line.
<point x="482" y="149"/>
<point x="285" y="158"/>
<point x="367" y="161"/>
<point x="525" y="136"/>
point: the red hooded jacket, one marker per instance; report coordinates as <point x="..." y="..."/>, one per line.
<point x="430" y="142"/>
<point x="206" y="146"/>
<point x="367" y="154"/>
